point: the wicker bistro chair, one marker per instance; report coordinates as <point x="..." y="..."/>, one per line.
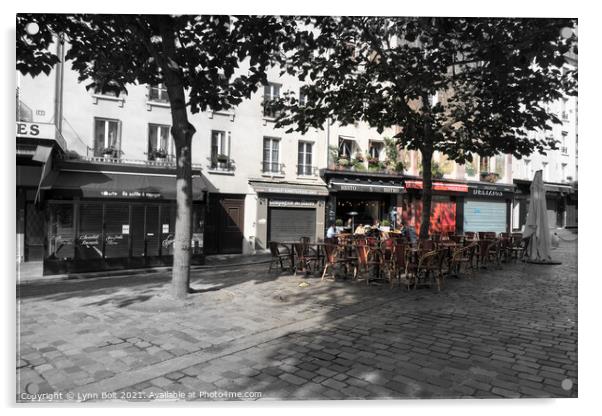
<point x="489" y="252"/>
<point x="470" y="235"/>
<point x="279" y="257"/>
<point x="464" y="257"/>
<point x="306" y="259"/>
<point x="334" y="256"/>
<point x="398" y="265"/>
<point x="517" y="246"/>
<point x="368" y="257"/>
<point x="459" y="239"/>
<point x="427" y="267"/>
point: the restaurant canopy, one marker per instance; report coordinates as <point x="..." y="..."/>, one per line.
<point x="118" y="185"/>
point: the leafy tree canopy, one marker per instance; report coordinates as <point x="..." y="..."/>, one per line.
<point x="112" y="51"/>
<point x="492" y="77"/>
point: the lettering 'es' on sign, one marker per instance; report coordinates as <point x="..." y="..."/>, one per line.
<point x="35" y="130"/>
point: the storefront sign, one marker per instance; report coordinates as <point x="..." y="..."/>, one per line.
<point x="291" y="203"/>
<point x="387" y="189"/>
<point x="130" y="194"/>
<point x="290" y="190"/>
<point x="125" y="229"/>
<point x="165" y="228"/>
<point x="438" y="186"/>
<point x="42" y="131"/>
<point x="492" y="191"/>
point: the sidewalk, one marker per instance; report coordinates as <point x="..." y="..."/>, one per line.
<point x="31" y="272"/>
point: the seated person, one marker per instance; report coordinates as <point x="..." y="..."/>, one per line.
<point x="332" y="231"/>
<point x="360" y="230"/>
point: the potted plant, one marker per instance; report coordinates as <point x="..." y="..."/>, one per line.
<point x="109" y="152"/>
<point x="339" y="225"/>
<point x="158" y="155"/>
<point x="491" y="177"/>
<point x="343" y="162"/>
<point x="385" y="225"/>
<point x="359" y="157"/>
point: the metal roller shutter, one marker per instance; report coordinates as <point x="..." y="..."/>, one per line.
<point x="287" y="224"/>
<point x="484" y="216"/>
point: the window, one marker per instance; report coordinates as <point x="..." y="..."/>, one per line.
<point x="220" y="150"/>
<point x="544" y="168"/>
<point x="563" y="172"/>
<point x="345" y="147"/>
<point x="563" y="147"/>
<point x="564" y="114"/>
<point x="270" y="155"/>
<point x="107" y="140"/>
<point x="270" y="92"/>
<point x="160" y="143"/>
<point x="304" y="166"/>
<point x="110" y="89"/>
<point x="528" y="167"/>
<point x="375" y="150"/>
<point x="158" y="93"/>
<point x="484" y="165"/>
<point x="302" y="98"/>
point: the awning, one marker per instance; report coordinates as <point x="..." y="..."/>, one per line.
<point x="289" y="188"/>
<point x="119" y="185"/>
<point x="567" y="189"/>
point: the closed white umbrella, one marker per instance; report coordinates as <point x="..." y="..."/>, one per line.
<point x="537" y="229"/>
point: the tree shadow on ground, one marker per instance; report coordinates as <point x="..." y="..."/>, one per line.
<point x="470" y="340"/>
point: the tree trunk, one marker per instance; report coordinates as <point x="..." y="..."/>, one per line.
<point x="427" y="192"/>
<point x="182" y="132"/>
<point x="427" y="176"/>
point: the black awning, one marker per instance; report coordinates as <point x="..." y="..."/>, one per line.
<point x="118" y="185"/>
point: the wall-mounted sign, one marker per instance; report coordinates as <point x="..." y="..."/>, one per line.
<point x="291" y="203"/>
<point x="438" y="186"/>
<point x="165" y="228"/>
<point x="130" y="194"/>
<point x="491" y="191"/>
<point x="361" y="187"/>
<point x="125" y="229"/>
<point x="36" y="130"/>
<point x="269" y="189"/>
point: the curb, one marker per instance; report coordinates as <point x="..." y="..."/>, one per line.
<point x="112" y="274"/>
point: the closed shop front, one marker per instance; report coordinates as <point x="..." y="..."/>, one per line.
<point x="287" y="224"/>
<point x="488" y="208"/>
<point x="225" y="224"/>
<point x="114" y="220"/>
<point x="485" y="216"/>
<point x="288" y="211"/>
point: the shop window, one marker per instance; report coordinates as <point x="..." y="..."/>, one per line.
<point x="158" y="93"/>
<point x="107" y="137"/>
<point x="160" y="143"/>
<point x="304" y="159"/>
<point x="198" y="227"/>
<point x="271" y="155"/>
<point x="271" y="92"/>
<point x="61" y="232"/>
<point x="116" y="230"/>
<point x="220" y="150"/>
<point x="89" y="244"/>
<point x="168" y="229"/>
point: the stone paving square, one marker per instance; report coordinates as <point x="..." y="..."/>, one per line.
<point x="250" y="335"/>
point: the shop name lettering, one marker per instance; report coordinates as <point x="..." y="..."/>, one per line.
<point x="368" y="188"/>
<point x="485" y="192"/>
<point x="89" y="239"/>
<point x="130" y="194"/>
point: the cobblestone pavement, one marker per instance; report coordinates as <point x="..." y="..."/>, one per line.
<point x="503" y="333"/>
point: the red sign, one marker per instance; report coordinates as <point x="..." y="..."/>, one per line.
<point x="438" y="186"/>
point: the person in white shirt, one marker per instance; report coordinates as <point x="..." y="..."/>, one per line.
<point x="332" y="231"/>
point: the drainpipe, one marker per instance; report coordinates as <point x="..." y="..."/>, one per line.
<point x="58" y="88"/>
